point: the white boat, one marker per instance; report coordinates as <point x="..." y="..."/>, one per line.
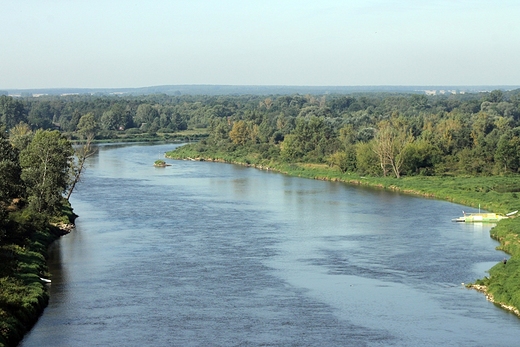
<point x="482" y="217"/>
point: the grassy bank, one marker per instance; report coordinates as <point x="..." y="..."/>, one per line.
<point x="23" y="253"/>
<point x="497" y="194"/>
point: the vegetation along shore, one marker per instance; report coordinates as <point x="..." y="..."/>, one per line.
<point x="461" y="147"/>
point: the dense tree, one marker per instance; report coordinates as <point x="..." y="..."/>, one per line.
<point x="11" y="185"/>
<point x="41" y="115"/>
<point x="367" y="162"/>
<point x="507" y="153"/>
<point x="145" y="115"/>
<point x="452" y="133"/>
<point x="109" y="120"/>
<point x="12" y="111"/>
<point x="240" y="133"/>
<point x="87" y="126"/>
<point x="20" y="136"/>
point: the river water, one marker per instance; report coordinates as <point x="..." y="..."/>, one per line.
<point x="210" y="254"/>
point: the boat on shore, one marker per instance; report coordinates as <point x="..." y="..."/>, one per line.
<point x="487" y="217"/>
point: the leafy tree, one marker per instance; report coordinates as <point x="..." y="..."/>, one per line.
<point x="495" y="96"/>
<point x="313" y="138"/>
<point x="45" y="167"/>
<point x="367" y="162"/>
<point x="20" y="136"/>
<point x="82" y="152"/>
<point x="41" y="116"/>
<point x="290" y="148"/>
<point x="420" y="157"/>
<point x="507" y="153"/>
<point x="219" y="131"/>
<point x="109" y="120"/>
<point x="390" y="143"/>
<point x="12" y="111"/>
<point x="240" y="133"/>
<point x="344" y="160"/>
<point x="87" y="126"/>
<point x="11" y="185"/>
<point x="145" y="115"/>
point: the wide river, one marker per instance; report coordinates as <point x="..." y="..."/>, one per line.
<point x="211" y="254"/>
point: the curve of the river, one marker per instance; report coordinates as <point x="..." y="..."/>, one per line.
<point x="210" y="254"/>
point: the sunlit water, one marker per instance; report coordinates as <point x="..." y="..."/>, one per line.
<point x="209" y="254"/>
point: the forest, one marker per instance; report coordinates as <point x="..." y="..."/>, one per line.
<point x="376" y="134"/>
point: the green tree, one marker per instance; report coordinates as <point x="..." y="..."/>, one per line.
<point x="367" y="162"/>
<point x="41" y="115"/>
<point x="507" y="154"/>
<point x="12" y="111"/>
<point x="145" y="115"/>
<point x="82" y="152"/>
<point x="109" y="120"/>
<point x="46" y="164"/>
<point x="20" y="136"/>
<point x="314" y="138"/>
<point x="11" y="185"/>
<point x="240" y="133"/>
<point x="392" y="138"/>
<point x="87" y="126"/>
<point x="420" y="157"/>
<point x="344" y="160"/>
<point x="290" y="148"/>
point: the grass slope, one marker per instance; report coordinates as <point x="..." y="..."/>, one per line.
<point x="23" y="253"/>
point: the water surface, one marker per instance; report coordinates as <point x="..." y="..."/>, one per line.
<point x="210" y="254"/>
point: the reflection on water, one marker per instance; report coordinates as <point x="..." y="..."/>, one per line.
<point x="207" y="254"/>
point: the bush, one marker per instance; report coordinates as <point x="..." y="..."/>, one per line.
<point x="133" y="131"/>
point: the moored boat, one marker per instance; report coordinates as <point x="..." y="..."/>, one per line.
<point x="487" y="217"/>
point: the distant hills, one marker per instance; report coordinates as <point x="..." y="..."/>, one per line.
<point x="201" y="89"/>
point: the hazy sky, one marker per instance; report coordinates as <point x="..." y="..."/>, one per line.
<point x="116" y="43"/>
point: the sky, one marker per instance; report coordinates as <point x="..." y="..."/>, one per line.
<point x="125" y="43"/>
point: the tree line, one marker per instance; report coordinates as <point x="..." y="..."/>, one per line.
<point x="371" y="134"/>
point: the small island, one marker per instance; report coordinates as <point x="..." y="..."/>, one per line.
<point x="160" y="163"/>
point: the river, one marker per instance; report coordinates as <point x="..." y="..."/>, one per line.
<point x="211" y="254"/>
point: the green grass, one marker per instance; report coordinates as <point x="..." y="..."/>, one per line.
<point x="23" y="252"/>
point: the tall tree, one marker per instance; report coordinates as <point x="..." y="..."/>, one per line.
<point x="11" y="111"/>
<point x="392" y="138"/>
<point x="46" y="166"/>
<point x="20" y="136"/>
<point x="11" y="185"/>
<point x="240" y="133"/>
<point x="507" y="154"/>
<point x="87" y="126"/>
<point x="82" y="152"/>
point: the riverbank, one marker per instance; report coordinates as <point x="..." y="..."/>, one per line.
<point x="142" y="137"/>
<point x="497" y="194"/>
<point x="24" y="276"/>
